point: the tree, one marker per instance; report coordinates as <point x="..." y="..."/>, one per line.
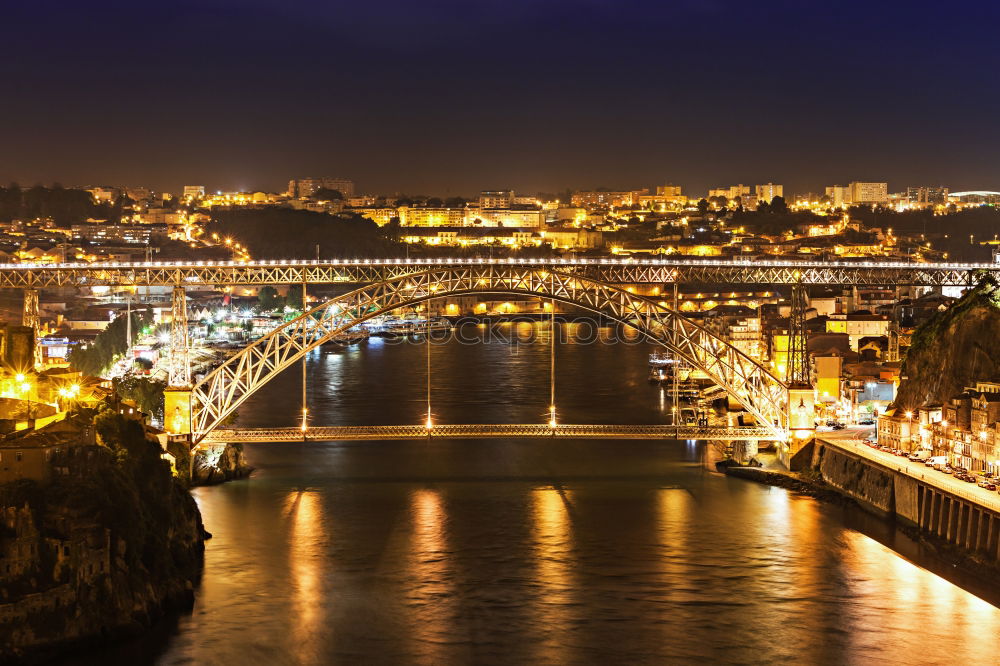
<point x="145" y="392"/>
<point x="703" y="206"/>
<point x="294" y="297"/>
<point x="778" y="206"/>
<point x="109" y="344"/>
<point x="268" y="299"/>
<point x="326" y="194"/>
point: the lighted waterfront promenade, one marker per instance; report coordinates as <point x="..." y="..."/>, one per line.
<point x="916" y="470"/>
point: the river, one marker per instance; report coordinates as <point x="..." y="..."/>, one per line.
<point x="556" y="552"/>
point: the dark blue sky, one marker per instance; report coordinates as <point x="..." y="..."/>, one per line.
<point x="442" y="96"/>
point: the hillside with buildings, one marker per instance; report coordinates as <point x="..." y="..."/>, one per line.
<point x="953" y="350"/>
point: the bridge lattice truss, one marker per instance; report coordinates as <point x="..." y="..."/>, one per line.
<point x="225" y="388"/>
<point x="472" y="431"/>
<point x="362" y="271"/>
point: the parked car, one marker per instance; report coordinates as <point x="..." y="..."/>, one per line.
<point x="987" y="484"/>
<point x="866" y="422"/>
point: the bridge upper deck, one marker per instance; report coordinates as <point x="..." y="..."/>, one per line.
<point x="612" y="270"/>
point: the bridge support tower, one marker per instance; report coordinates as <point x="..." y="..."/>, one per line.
<point x="180" y="368"/>
<point x="796" y="453"/>
<point x="30" y="319"/>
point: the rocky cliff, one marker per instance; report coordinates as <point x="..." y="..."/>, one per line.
<point x="100" y="552"/>
<point x="954" y="349"/>
<point x="219" y="463"/>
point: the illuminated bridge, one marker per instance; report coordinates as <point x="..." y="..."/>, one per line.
<point x="470" y="431"/>
<point x="375" y="287"/>
<point x="613" y="270"/>
<point x="200" y="410"/>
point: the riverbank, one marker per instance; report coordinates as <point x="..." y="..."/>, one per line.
<point x="101" y="552"/>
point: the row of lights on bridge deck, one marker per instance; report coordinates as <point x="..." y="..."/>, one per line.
<point x="481" y="260"/>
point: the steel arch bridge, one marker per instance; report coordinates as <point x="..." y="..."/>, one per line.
<point x="217" y="395"/>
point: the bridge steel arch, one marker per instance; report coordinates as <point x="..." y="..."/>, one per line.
<point x="219" y="394"/>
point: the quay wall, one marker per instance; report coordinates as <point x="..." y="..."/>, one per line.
<point x="932" y="511"/>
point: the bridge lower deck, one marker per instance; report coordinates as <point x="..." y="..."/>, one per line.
<point x="470" y="431"/>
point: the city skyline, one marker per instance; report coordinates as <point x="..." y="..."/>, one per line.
<point x="532" y="96"/>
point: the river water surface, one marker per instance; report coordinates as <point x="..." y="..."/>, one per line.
<point x="556" y="552"/>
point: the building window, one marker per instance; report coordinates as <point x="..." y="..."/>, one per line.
<point x="17" y="456"/>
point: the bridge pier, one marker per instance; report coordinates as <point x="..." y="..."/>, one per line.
<point x="177" y="410"/>
<point x="797" y="451"/>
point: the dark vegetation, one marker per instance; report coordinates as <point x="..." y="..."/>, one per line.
<point x="109" y="343"/>
<point x="145" y="392"/>
<point x="281" y="233"/>
<point x="65" y="206"/>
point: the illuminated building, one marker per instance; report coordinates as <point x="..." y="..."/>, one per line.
<point x="465" y="236"/>
<point x="506" y="217"/>
<point x="105" y="194"/>
<point x="305" y="187"/>
<point x="132" y="234"/>
<point x="974" y="197"/>
<point x="194" y="191"/>
<point x="606" y="199"/>
<point x="496" y="198"/>
<point x="431" y="217"/>
<point x="858" y="193"/>
<point x="731" y="192"/>
<point x="379" y="215"/>
<point x="766" y="193"/>
<point x="924" y="196"/>
<point x="859" y="326"/>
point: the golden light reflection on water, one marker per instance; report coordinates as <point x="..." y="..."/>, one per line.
<point x="674" y="507"/>
<point x="307" y="560"/>
<point x="933" y="606"/>
<point x="552" y="541"/>
<point x="432" y="601"/>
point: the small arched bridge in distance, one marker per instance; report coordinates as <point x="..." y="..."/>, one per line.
<point x="219" y="394"/>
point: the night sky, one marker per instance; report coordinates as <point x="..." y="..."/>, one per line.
<point x="452" y="96"/>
